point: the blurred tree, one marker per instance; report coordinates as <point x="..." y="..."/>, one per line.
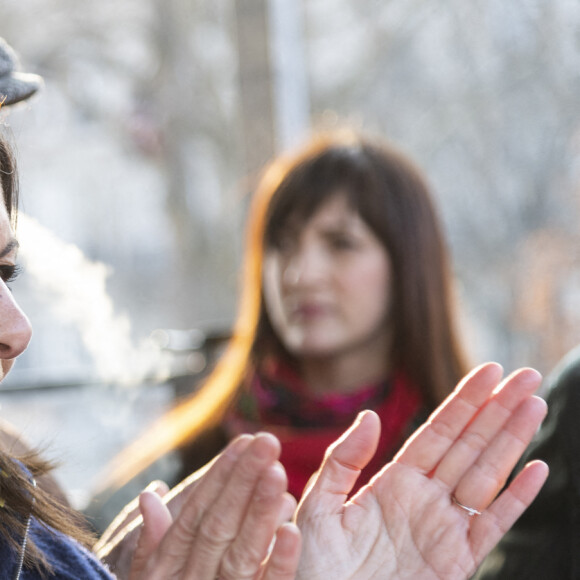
<point x="484" y="95"/>
<point x="151" y="111"/>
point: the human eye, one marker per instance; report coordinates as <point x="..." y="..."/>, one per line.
<point x="284" y="243"/>
<point x="9" y="272"/>
<point x="340" y="242"/>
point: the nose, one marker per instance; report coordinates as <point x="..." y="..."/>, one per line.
<point x="15" y="329"/>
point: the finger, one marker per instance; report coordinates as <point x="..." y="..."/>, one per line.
<point x="288" y="509"/>
<point x="117" y="529"/>
<point x="179" y="542"/>
<point x="243" y="559"/>
<point x="221" y="520"/>
<point x="125" y="521"/>
<point x="428" y="445"/>
<point x="159" y="487"/>
<point x="490" y="527"/>
<point x="342" y="465"/>
<point x="156" y="521"/>
<point x="119" y="552"/>
<point x="478" y="435"/>
<point x="220" y="467"/>
<point x="214" y="479"/>
<point x="282" y="563"/>
<point x="488" y="474"/>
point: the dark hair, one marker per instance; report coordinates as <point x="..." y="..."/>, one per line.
<point x="9" y="180"/>
<point x="392" y="197"/>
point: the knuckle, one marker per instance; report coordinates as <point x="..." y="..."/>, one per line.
<point x="215" y="528"/>
<point x="473" y="440"/>
<point x="443" y="430"/>
<point x="240" y="564"/>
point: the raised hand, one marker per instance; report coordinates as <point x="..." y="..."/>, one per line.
<point x="225" y="520"/>
<point x="408" y="522"/>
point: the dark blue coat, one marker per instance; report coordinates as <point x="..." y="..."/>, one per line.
<point x="68" y="558"/>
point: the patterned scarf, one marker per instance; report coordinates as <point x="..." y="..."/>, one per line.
<point x="278" y="401"/>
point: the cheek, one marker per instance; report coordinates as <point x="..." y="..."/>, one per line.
<point x="272" y="287"/>
<point x="370" y="287"/>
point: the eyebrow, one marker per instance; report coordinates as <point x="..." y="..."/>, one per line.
<point x="10" y="247"/>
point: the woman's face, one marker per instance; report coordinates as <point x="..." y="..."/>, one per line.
<point x="15" y="330"/>
<point x="327" y="283"/>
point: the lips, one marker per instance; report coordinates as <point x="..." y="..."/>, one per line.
<point x="308" y="311"/>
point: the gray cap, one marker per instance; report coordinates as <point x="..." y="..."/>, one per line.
<point x="15" y="86"/>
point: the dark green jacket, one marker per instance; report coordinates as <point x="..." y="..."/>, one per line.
<point x="544" y="544"/>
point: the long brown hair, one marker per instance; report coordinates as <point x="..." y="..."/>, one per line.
<point x="19" y="496"/>
<point x="392" y="197"/>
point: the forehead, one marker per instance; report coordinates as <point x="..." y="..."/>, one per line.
<point x="336" y="212"/>
<point x="291" y="214"/>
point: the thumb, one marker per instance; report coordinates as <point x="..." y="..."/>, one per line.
<point x="156" y="521"/>
<point x="342" y="464"/>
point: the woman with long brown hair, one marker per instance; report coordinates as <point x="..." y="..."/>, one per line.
<point x="346" y="304"/>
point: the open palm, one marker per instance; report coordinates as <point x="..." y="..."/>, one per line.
<point x="405" y="522"/>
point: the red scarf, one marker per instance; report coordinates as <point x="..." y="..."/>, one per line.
<point x="278" y="401"/>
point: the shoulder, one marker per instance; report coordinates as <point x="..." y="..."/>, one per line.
<point x="11" y="442"/>
<point x="565" y="375"/>
<point x="561" y="389"/>
<point x="69" y="560"/>
<point x="541" y="543"/>
<point x="558" y="440"/>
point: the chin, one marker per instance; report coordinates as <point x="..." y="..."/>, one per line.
<point x="314" y="350"/>
<point x="311" y="344"/>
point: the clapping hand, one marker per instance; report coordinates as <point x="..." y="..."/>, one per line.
<point x="228" y="520"/>
<point x="434" y="512"/>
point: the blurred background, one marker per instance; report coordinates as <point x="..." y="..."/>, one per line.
<point x="139" y="155"/>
